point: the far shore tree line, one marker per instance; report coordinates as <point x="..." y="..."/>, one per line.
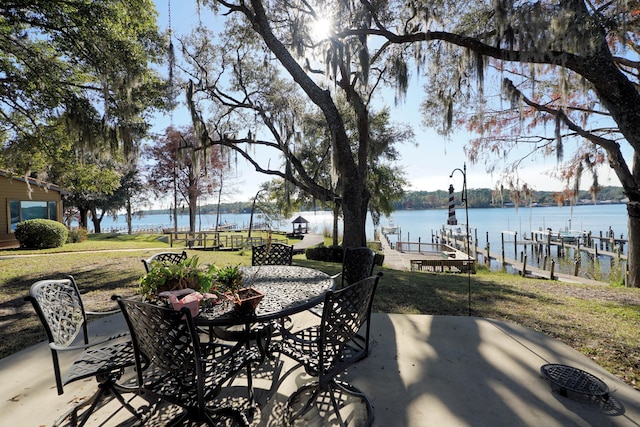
<point x="416" y="200"/>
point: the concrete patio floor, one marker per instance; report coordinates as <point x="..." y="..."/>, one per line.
<point x="422" y="371"/>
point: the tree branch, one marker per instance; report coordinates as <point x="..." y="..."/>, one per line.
<point x="616" y="159"/>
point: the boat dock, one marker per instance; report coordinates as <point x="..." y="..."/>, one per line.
<point x="426" y="257"/>
<point x="542" y="263"/>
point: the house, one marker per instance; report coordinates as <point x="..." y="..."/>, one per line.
<point x="22" y="199"/>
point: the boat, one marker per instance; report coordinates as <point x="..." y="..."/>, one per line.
<point x="563" y="236"/>
<point x="390" y="228"/>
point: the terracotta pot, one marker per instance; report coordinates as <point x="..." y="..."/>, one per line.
<point x="246" y="300"/>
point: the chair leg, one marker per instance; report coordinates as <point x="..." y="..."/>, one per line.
<point x="73" y="412"/>
<point x="330" y="399"/>
<point x="106" y="386"/>
<point x="315" y="387"/>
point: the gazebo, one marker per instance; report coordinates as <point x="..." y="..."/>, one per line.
<point x="300" y="225"/>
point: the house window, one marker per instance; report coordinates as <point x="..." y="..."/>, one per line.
<point x="28" y="209"/>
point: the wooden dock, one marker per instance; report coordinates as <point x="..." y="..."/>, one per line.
<point x="418" y="256"/>
<point x="537" y="252"/>
<point x="218" y="241"/>
<point x="527" y="270"/>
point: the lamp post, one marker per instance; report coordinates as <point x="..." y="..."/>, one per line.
<point x="465" y="200"/>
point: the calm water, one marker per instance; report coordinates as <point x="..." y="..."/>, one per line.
<point x="490" y="223"/>
<point x="592" y="218"/>
<point x="423" y="223"/>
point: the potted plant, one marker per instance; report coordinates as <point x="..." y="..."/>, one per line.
<point x="186" y="274"/>
<point x="230" y="284"/>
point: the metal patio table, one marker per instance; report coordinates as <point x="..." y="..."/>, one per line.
<point x="287" y="290"/>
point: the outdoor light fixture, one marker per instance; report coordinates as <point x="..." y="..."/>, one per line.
<point x="451" y="220"/>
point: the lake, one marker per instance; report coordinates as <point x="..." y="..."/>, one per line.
<point x="594" y="218"/>
<point x="422" y="224"/>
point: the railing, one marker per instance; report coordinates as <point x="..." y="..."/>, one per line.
<point x="423" y="248"/>
<point x="214" y="240"/>
<point x="437" y="257"/>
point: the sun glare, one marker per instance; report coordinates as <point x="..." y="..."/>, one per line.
<point x="321" y="29"/>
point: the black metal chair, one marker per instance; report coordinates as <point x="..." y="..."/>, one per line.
<point x="183" y="371"/>
<point x="357" y="264"/>
<point x="326" y="350"/>
<point x="272" y="254"/>
<point x="165" y="257"/>
<point x="61" y="311"/>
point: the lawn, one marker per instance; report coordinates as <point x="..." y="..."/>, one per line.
<point x="599" y="321"/>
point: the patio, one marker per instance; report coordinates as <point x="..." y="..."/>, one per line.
<point x="423" y="370"/>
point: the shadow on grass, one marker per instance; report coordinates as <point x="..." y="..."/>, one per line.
<point x="439" y="293"/>
<point x="97" y="282"/>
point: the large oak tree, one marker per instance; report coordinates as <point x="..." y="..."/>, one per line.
<point x="568" y="61"/>
<point x="267" y="40"/>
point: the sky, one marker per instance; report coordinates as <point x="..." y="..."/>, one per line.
<point x="427" y="166"/>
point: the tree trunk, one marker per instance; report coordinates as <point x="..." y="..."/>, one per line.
<point x="128" y="207"/>
<point x="336" y="213"/>
<point x="193" y="208"/>
<point x="354" y="213"/>
<point x="83" y="220"/>
<point x="96" y="220"/>
<point x="192" y="194"/>
<point x="633" y="268"/>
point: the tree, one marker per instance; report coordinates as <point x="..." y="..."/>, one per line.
<point x="91" y="184"/>
<point x="84" y="63"/>
<point x="574" y="60"/>
<point x="580" y="53"/>
<point x="130" y="193"/>
<point x="91" y="178"/>
<point x="259" y="34"/>
<point x="180" y="167"/>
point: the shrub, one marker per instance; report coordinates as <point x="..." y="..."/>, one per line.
<point x="77" y="235"/>
<point x="41" y="234"/>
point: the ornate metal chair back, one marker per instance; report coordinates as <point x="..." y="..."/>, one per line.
<point x="173" y="365"/>
<point x="59" y="307"/>
<point x="168" y="340"/>
<point x="357" y="265"/>
<point x="345" y="312"/>
<point x="272" y="254"/>
<point x="164" y="257"/>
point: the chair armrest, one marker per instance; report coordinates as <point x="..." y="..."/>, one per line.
<point x="57" y="347"/>
<point x="335" y="276"/>
<point x="102" y="313"/>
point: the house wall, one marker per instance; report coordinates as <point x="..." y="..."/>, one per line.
<point x="18" y="189"/>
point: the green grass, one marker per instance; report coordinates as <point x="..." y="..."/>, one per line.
<point x="599" y="321"/>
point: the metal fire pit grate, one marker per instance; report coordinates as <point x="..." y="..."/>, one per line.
<point x="567" y="378"/>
